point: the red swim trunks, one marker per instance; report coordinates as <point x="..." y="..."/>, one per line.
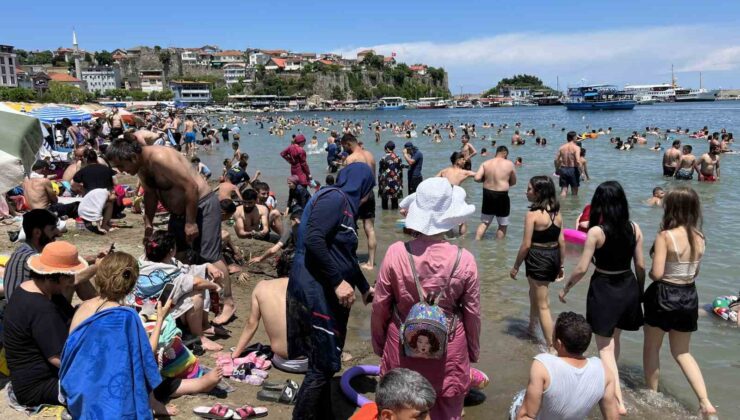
<point x="709" y="178"/>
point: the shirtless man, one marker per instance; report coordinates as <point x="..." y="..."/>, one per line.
<point x="467" y="151"/>
<point x="516" y="139"/>
<point x="116" y="124"/>
<point x="366" y="212"/>
<point x="672" y="159"/>
<point x="456" y="174"/>
<point x="189" y="136"/>
<point x="566" y="160"/>
<point x="39" y="193"/>
<point x="251" y="221"/>
<point x="497" y="175"/>
<point x="75" y="166"/>
<point x="708" y="164"/>
<point x="687" y="165"/>
<point x="227" y="190"/>
<point x="268" y="304"/>
<point x="145" y="137"/>
<point x="275" y="217"/>
<point x="195" y="213"/>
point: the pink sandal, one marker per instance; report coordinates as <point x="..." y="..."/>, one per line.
<point x="478" y="379"/>
<point x="248" y="412"/>
<point x="217" y="412"/>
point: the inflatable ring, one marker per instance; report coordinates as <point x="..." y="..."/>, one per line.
<point x="574" y="236"/>
<point x="347" y="376"/>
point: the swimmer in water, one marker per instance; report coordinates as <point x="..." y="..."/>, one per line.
<point x="657" y="198"/>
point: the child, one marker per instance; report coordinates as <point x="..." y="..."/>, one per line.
<point x="519" y="162"/>
<point x="330" y="180"/>
<point x="484" y="151"/>
<point x="201" y="168"/>
<point x="657" y="198"/>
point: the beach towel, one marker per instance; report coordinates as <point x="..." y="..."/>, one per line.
<point x="91" y="206"/>
<point x="108" y="369"/>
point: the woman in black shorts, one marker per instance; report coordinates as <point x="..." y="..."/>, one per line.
<point x="613" y="302"/>
<point x="542" y="250"/>
<point x="671" y="301"/>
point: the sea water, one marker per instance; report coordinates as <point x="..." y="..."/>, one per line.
<point x="505" y="349"/>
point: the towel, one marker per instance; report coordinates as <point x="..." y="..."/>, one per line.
<point x="108" y="369"/>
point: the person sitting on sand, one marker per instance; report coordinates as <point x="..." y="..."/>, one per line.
<point x="158" y="267"/>
<point x="286" y="244"/>
<point x="36" y="322"/>
<point x="227" y="190"/>
<point x="657" y="198"/>
<point x="401" y="394"/>
<point x="39" y="193"/>
<point x="266" y="198"/>
<point x="252" y="222"/>
<point x="568" y="385"/>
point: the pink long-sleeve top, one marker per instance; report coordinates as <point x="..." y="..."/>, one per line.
<point x="296" y="156"/>
<point x="395" y="288"/>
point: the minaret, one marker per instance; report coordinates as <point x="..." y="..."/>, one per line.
<point x="76" y="48"/>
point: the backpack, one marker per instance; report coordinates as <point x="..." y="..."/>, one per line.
<point x="425" y="331"/>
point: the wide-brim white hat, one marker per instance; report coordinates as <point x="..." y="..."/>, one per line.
<point x="436" y="207"/>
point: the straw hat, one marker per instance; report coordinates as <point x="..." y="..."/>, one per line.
<point x="60" y="257"/>
<point x="436" y="207"/>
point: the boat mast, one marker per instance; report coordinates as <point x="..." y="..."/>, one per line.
<point x="699" y="80"/>
<point x="673" y="79"/>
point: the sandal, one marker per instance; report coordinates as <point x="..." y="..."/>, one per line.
<point x="271" y="386"/>
<point x="478" y="379"/>
<point x="219" y="331"/>
<point x="217" y="412"/>
<point x="286" y="395"/>
<point x="248" y="412"/>
<point x="260" y="361"/>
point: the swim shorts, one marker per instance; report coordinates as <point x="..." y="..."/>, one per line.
<point x="367" y="209"/>
<point x="495" y="203"/>
<point x="207" y="246"/>
<point x="570" y="176"/>
<point x="709" y="178"/>
<point x="189" y="137"/>
<point x="685" y="173"/>
<point x="669" y="170"/>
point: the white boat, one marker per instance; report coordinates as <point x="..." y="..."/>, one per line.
<point x="696" y="95"/>
<point x="431" y="103"/>
<point x="663" y="92"/>
<point x="390" y="103"/>
<point x="645" y="100"/>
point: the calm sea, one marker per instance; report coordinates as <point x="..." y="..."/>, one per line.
<point x="506" y="351"/>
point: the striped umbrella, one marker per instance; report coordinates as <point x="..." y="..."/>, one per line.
<point x="55" y="114"/>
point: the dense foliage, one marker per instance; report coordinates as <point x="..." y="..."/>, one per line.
<point x="518" y="81"/>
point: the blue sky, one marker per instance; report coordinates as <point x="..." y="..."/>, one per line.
<point x="478" y="42"/>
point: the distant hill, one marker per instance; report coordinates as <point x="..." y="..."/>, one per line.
<point x="519" y="81"/>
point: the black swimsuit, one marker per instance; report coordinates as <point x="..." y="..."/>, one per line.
<point x="543" y="262"/>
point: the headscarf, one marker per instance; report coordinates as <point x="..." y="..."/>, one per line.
<point x="356" y="181"/>
<point x="294" y="179"/>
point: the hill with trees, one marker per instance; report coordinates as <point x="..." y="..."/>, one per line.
<point x="518" y="81"/>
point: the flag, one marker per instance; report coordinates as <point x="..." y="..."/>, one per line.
<point x="393" y="54"/>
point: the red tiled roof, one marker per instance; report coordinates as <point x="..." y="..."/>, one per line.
<point x="418" y="67"/>
<point x="280" y="62"/>
<point x="65" y="78"/>
<point x="229" y="53"/>
<point x="327" y="62"/>
<point x="274" y="52"/>
<point x="388" y="59"/>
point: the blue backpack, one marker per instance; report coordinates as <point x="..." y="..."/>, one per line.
<point x="425" y="331"/>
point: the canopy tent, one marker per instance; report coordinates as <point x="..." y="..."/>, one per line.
<point x="20" y="141"/>
<point x="55" y="114"/>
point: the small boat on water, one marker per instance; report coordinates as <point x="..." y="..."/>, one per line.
<point x="598" y="98"/>
<point x="391" y="103"/>
<point x="646" y="100"/>
<point x="696" y="95"/>
<point x="431" y="103"/>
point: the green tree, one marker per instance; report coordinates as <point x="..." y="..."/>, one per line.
<point x="518" y="81"/>
<point x="337" y="93"/>
<point x="64" y="94"/>
<point x="373" y="61"/>
<point x="88" y="57"/>
<point x="104" y="58"/>
<point x="220" y="95"/>
<point x="17" y="94"/>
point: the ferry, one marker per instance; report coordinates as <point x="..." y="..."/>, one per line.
<point x="663" y="92"/>
<point x="431" y="103"/>
<point x="390" y="103"/>
<point x="598" y="97"/>
<point x="696" y="95"/>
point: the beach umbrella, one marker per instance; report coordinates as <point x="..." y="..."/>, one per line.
<point x="55" y="114"/>
<point x="20" y="140"/>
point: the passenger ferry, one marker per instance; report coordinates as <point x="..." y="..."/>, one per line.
<point x="390" y="103"/>
<point x="664" y="92"/>
<point x="431" y="103"/>
<point x="598" y="97"/>
<point x="696" y="95"/>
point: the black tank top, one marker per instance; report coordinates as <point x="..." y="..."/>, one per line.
<point x="551" y="234"/>
<point x="614" y="256"/>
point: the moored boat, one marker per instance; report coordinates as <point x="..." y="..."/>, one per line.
<point x="598" y="98"/>
<point x="391" y="103"/>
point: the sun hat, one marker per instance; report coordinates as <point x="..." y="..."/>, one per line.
<point x="60" y="257"/>
<point x="436" y="207"/>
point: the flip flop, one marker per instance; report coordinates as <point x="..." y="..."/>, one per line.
<point x="216" y="412"/>
<point x="248" y="412"/>
<point x="286" y="395"/>
<point x="219" y="331"/>
<point x="271" y="386"/>
<point x="478" y="379"/>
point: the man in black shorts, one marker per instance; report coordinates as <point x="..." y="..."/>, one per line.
<point x="497" y="175"/>
<point x="567" y="162"/>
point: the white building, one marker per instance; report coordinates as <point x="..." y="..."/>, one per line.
<point x="257" y="58"/>
<point x="191" y="93"/>
<point x="235" y="71"/>
<point x="151" y="80"/>
<point x="102" y="79"/>
<point x="226" y="57"/>
<point x="293" y="63"/>
<point x="7" y="66"/>
<point x="189" y="57"/>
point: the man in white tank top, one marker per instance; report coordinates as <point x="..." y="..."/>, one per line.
<point x="567" y="386"/>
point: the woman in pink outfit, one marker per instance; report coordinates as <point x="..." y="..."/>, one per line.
<point x="434" y="209"/>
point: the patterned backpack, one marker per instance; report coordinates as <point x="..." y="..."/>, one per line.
<point x="425" y="331"/>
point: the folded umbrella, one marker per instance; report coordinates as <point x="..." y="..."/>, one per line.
<point x="20" y="140"/>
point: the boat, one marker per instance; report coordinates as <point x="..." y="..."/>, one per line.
<point x="662" y="92"/>
<point x="431" y="103"/>
<point x="696" y="95"/>
<point x="646" y="100"/>
<point x="598" y="97"/>
<point x="547" y="100"/>
<point x="391" y="103"/>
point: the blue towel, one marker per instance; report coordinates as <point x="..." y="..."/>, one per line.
<point x="108" y="368"/>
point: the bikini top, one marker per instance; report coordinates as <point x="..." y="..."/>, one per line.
<point x="680" y="270"/>
<point x="548" y="235"/>
<point x="615" y="256"/>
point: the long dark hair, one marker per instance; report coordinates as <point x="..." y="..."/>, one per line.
<point x="609" y="208"/>
<point x="683" y="209"/>
<point x="545" y="198"/>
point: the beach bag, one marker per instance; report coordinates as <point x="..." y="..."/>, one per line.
<point x="425" y="331"/>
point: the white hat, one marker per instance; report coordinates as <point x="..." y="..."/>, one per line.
<point x="436" y="207"/>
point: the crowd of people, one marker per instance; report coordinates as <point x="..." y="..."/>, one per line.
<point x="425" y="294"/>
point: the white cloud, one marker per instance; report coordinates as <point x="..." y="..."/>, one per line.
<point x="631" y="55"/>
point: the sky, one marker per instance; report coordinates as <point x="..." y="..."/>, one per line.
<point x="477" y="42"/>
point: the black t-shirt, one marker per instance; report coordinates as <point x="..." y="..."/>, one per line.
<point x="237" y="176"/>
<point x="35" y="330"/>
<point x="95" y="176"/>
